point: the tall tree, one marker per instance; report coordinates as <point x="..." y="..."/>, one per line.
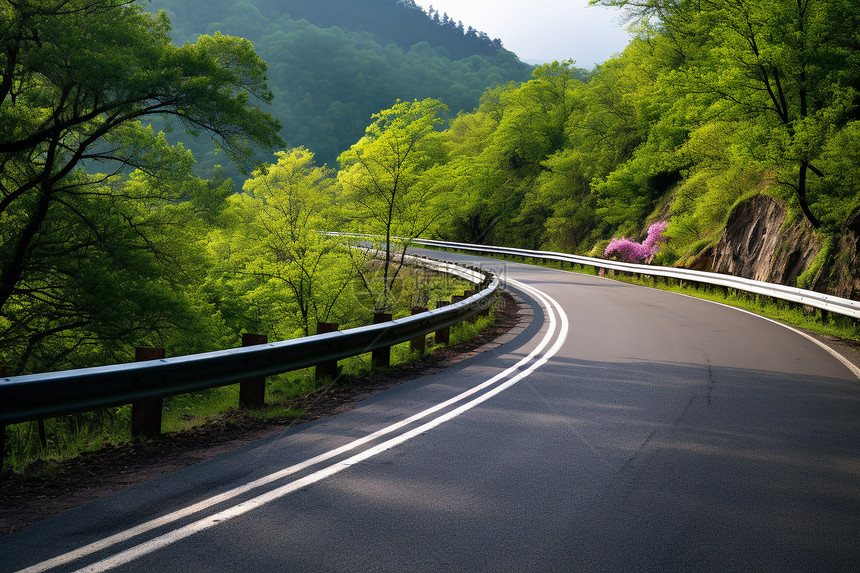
<point x="787" y="66"/>
<point x="381" y="176"/>
<point x="276" y="252"/>
<point x="76" y="79"/>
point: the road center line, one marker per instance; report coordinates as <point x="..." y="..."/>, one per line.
<point x="553" y="310"/>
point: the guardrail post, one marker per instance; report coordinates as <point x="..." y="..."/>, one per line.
<point x="252" y="392"/>
<point x="326" y="369"/>
<point x="2" y="427"/>
<point x="467" y="294"/>
<point x="146" y="413"/>
<point x="460" y="298"/>
<point x="487" y="304"/>
<point x="443" y="335"/>
<point x="381" y="357"/>
<point x="418" y="343"/>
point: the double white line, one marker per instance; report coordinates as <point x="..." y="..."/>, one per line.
<point x="549" y="345"/>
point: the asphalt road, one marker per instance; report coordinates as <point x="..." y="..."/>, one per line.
<point x="624" y="429"/>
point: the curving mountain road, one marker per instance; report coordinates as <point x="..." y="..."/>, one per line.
<point x="623" y="429"/>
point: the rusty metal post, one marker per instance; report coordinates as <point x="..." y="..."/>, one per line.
<point x="326" y="369"/>
<point x="146" y="413"/>
<point x="443" y="335"/>
<point x="252" y="392"/>
<point x="381" y="357"/>
<point x="418" y="343"/>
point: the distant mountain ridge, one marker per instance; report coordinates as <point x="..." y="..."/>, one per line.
<point x="399" y="21"/>
<point x="333" y="63"/>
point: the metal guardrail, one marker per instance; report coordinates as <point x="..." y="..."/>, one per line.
<point x="829" y="303"/>
<point x="35" y="396"/>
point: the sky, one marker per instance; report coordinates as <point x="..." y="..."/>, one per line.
<point x="541" y="31"/>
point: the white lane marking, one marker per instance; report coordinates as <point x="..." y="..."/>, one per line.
<point x="548" y="303"/>
<point x="847" y="363"/>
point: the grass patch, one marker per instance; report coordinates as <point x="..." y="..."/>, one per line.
<point x="35" y="448"/>
<point x="185" y="411"/>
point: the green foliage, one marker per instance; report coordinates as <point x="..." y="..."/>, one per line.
<point x="823" y="258"/>
<point x="788" y="70"/>
<point x="710" y="104"/>
<point x="276" y="271"/>
<point x="333" y="63"/>
<point x="381" y="178"/>
<point x="90" y="263"/>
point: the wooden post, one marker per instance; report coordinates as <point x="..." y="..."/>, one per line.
<point x="487" y="305"/>
<point x="146" y="413"/>
<point x="381" y="357"/>
<point x="252" y="392"/>
<point x="418" y="343"/>
<point x="466" y="295"/>
<point x="43" y="435"/>
<point x="2" y="426"/>
<point x="443" y="335"/>
<point x="326" y="369"/>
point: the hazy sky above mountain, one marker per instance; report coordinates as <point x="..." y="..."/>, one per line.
<point x="541" y="31"/>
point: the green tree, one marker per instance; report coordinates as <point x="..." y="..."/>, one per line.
<point x="499" y="151"/>
<point x="289" y="274"/>
<point x="381" y="176"/>
<point x="789" y="67"/>
<point x="76" y="79"/>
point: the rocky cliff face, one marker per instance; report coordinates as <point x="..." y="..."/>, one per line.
<point x="757" y="244"/>
<point x="842" y="276"/>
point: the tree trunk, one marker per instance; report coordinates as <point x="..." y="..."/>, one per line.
<point x="801" y="195"/>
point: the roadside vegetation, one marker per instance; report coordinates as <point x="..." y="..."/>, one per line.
<point x="114" y="236"/>
<point x="36" y="449"/>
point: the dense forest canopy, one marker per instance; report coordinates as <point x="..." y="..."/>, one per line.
<point x="334" y="63"/>
<point x="109" y="239"/>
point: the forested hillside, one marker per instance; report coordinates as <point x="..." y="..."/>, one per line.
<point x="710" y="105"/>
<point x="110" y="239"/>
<point x="333" y="63"/>
<point x="726" y="136"/>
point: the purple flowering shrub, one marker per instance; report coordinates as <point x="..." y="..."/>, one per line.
<point x="632" y="252"/>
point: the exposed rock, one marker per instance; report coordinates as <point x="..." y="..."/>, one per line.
<point x="704" y="261"/>
<point x="757" y="244"/>
<point x="842" y="276"/>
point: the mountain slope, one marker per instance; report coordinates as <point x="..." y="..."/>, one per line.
<point x="333" y="63"/>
